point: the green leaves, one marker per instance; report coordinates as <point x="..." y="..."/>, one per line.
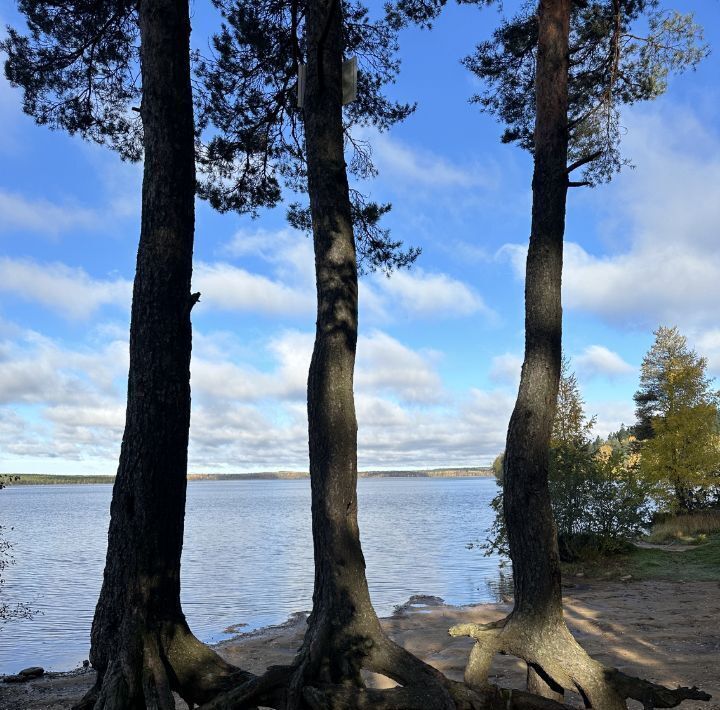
<point x="677" y="413"/>
<point x="598" y="500"/>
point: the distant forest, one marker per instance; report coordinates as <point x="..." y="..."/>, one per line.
<point x="40" y="479"/>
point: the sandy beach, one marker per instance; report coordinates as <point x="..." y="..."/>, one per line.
<point x="667" y="632"/>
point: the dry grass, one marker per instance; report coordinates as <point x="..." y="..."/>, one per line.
<point x="687" y="529"/>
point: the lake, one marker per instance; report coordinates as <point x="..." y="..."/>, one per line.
<point x="247" y="557"/>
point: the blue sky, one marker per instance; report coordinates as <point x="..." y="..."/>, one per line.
<point x="440" y="345"/>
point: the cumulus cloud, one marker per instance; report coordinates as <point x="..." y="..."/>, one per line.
<point x="58" y="402"/>
<point x="290" y="290"/>
<point x="386" y="365"/>
<point x="67" y="404"/>
<point x="287" y="290"/>
<point x="610" y="414"/>
<point x="506" y="368"/>
<point x="405" y="418"/>
<point x="232" y="288"/>
<point x="43" y="216"/>
<point x="667" y="283"/>
<point x="421" y="294"/>
<point x="219" y="379"/>
<point x="68" y="291"/>
<point x="467" y="431"/>
<point x="599" y="360"/>
<point x="665" y="216"/>
<point x="289" y="251"/>
<point x="414" y="166"/>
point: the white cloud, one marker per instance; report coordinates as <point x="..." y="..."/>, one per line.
<point x="707" y="344"/>
<point x="506" y="368"/>
<point x="662" y="263"/>
<point x="289" y="251"/>
<point x="291" y="288"/>
<point x="468" y="431"/>
<point x="288" y="290"/>
<point x="69" y="291"/>
<point x="386" y="365"/>
<point x="667" y="283"/>
<point x="61" y="403"/>
<point x="421" y="294"/>
<point x="292" y="351"/>
<point x="43" y="216"/>
<point x="232" y="288"/>
<point x="218" y="379"/>
<point x="67" y="404"/>
<point x="414" y="166"/>
<point x="598" y="360"/>
<point x="610" y="414"/>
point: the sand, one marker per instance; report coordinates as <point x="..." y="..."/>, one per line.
<point x="667" y="632"/>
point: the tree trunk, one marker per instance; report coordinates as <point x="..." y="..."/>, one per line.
<point x="535" y="630"/>
<point x="528" y="512"/>
<point x="341" y="602"/>
<point x="141" y="645"/>
<point x="343" y="633"/>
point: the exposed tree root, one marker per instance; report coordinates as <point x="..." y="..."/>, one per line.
<point x="556" y="662"/>
<point x="306" y="684"/>
<point x="417" y="698"/>
<point x="149" y="665"/>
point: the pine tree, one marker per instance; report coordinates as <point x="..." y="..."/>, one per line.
<point x="556" y="76"/>
<point x="677" y="413"/>
<point x="78" y="68"/>
<point x="571" y="465"/>
<point x="249" y="103"/>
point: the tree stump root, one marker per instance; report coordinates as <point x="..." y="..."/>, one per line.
<point x="556" y="660"/>
<point x="422" y="687"/>
<point x="150" y="665"/>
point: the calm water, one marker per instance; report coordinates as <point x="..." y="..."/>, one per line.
<point x="247" y="556"/>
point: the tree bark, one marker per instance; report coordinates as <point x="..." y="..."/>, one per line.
<point x="344" y="633"/>
<point x="141" y="646"/>
<point x="342" y="612"/>
<point x="535" y="630"/>
<point x="528" y="512"/>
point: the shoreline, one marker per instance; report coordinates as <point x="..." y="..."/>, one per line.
<point x="41" y="479"/>
<point x="665" y="631"/>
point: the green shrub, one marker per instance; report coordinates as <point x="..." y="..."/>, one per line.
<point x="599" y="501"/>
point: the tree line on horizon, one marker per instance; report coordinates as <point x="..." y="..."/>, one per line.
<point x="229" y="129"/>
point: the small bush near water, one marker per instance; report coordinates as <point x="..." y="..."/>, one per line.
<point x="599" y="502"/>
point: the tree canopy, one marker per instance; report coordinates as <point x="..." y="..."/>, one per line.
<point x="79" y="70"/>
<point x="677" y="421"/>
<point x="248" y="107"/>
<point x="621" y="52"/>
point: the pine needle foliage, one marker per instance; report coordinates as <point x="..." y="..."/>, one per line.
<point x="78" y="65"/>
<point x="621" y="52"/>
<point x="248" y="104"/>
